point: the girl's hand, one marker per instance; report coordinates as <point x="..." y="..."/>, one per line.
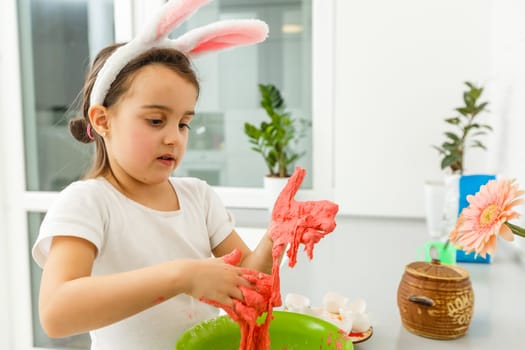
<point x="298" y="223"/>
<point x="214" y="279"/>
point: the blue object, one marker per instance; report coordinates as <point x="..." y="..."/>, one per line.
<point x="461" y="256"/>
<point x="470" y="184"/>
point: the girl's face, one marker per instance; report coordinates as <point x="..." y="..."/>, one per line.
<point x="148" y="126"/>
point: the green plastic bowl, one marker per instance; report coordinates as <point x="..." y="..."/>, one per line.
<point x="288" y="331"/>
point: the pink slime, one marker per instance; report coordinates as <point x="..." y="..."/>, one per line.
<point x="292" y="223"/>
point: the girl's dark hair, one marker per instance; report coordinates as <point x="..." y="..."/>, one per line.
<point x="171" y="58"/>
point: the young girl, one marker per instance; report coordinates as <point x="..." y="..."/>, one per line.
<point x="128" y="251"/>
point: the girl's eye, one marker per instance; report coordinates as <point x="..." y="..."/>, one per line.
<point x="184" y="126"/>
<point x="155" y="122"/>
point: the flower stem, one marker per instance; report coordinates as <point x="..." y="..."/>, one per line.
<point x="520" y="231"/>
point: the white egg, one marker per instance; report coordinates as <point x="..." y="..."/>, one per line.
<point x="346" y="325"/>
<point x="360" y="322"/>
<point x="297" y="303"/>
<point x="332" y="302"/>
<point x="316" y="311"/>
<point x="341" y="322"/>
<point x="357" y="306"/>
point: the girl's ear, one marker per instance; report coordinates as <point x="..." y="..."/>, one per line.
<point x="99" y="118"/>
<point x="221" y="35"/>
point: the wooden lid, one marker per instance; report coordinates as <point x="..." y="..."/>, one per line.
<point x="435" y="270"/>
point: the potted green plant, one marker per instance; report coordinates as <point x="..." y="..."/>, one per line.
<point x="467" y="130"/>
<point x="273" y="138"/>
<point x="466" y="133"/>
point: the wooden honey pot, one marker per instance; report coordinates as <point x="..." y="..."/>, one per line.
<point x="435" y="301"/>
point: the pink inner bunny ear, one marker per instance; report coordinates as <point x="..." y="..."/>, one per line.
<point x="222" y="42"/>
<point x="173" y="13"/>
<point x="223" y="34"/>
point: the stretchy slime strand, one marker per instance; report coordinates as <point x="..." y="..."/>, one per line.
<point x="293" y="223"/>
<point x="300" y="222"/>
<point x="256" y="302"/>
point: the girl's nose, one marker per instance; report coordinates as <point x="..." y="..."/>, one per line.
<point x="173" y="134"/>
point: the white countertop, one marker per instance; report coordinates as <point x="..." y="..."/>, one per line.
<point x="365" y="258"/>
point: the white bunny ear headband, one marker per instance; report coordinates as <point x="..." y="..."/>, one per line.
<point x="212" y="37"/>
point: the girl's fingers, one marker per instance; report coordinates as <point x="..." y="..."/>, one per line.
<point x="237" y="294"/>
<point x="228" y="302"/>
<point x="242" y="281"/>
<point x="228" y="284"/>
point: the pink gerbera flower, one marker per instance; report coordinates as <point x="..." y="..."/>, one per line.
<point x="488" y="215"/>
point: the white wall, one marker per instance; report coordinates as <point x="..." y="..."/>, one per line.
<point x="508" y="153"/>
<point x="399" y="70"/>
<point x="6" y="26"/>
<point x="508" y="91"/>
<point x="4" y="276"/>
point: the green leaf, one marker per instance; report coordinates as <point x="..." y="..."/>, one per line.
<point x="447" y="162"/>
<point x="453" y="121"/>
<point x="479" y="133"/>
<point x="478" y="144"/>
<point x="475" y="93"/>
<point x="469" y="84"/>
<point x="452" y="136"/>
<point x="273" y="136"/>
<point x="451" y="147"/>
<point x="469" y="101"/>
<point x="440" y="150"/>
<point x="482" y="106"/>
<point x="463" y="111"/>
<point x="271" y="98"/>
<point x="452" y="161"/>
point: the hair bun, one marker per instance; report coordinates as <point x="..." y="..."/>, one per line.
<point x="78" y="128"/>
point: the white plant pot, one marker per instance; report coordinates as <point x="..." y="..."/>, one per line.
<point x="451" y="204"/>
<point x="434" y="208"/>
<point x="441" y="205"/>
<point x="273" y="187"/>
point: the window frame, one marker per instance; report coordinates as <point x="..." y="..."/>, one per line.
<point x="16" y="202"/>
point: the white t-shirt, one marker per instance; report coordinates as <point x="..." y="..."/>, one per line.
<point x="129" y="236"/>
